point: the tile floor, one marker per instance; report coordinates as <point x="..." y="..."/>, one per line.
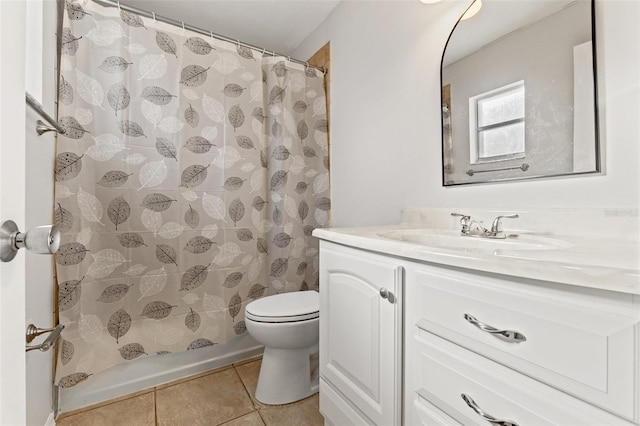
<point x="224" y="396"/>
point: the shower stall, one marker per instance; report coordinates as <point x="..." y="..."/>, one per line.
<point x="189" y="175"/>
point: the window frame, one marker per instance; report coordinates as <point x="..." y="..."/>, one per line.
<point x="475" y="130"/>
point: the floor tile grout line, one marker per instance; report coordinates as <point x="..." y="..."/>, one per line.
<point x="187" y="379"/>
<point x="155" y="407"/>
<point x="236" y="418"/>
<point x="246" y="389"/>
<point x="248" y="394"/>
<point x="253" y="400"/>
<point x="261" y="418"/>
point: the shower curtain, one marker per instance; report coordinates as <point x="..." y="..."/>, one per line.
<point x="188" y="182"/>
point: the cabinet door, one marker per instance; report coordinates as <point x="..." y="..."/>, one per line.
<point x="360" y="330"/>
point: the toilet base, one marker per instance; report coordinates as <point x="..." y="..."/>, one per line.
<point x="285" y="376"/>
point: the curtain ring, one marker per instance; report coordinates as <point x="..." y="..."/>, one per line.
<point x="120" y="10"/>
<point x="264" y="49"/>
<point x="306" y="66"/>
<point x="211" y="34"/>
<point x="289" y="59"/>
<point x="183" y="29"/>
<point x="238" y="43"/>
<point x="154" y="16"/>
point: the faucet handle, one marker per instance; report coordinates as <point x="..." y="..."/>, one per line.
<point x="496" y="226"/>
<point x="465" y="221"/>
<point x="462" y="216"/>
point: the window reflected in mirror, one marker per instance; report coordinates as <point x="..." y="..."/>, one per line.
<point x="496" y="120"/>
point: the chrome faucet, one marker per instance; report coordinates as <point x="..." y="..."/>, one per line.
<point x="496" y="227"/>
<point x="474" y="228"/>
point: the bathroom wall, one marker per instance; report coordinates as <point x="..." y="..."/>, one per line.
<point x="386" y="134"/>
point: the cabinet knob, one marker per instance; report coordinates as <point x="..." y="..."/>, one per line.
<point x="386" y="294"/>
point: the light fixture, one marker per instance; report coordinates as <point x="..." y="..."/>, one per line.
<point x="429" y="1"/>
<point x="473" y="10"/>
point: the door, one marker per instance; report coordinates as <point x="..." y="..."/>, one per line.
<point x="12" y="206"/>
<point x="360" y="330"/>
<point x="27" y="63"/>
<point x="39" y="184"/>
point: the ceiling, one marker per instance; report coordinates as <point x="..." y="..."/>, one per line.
<point x="276" y="25"/>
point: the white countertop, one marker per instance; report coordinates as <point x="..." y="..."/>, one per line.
<point x="608" y="264"/>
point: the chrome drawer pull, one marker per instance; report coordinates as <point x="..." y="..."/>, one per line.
<point x="498" y="422"/>
<point x="511" y="336"/>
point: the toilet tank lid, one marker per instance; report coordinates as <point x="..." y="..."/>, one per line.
<point x="286" y="304"/>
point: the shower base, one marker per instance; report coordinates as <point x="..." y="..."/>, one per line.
<point x="145" y="373"/>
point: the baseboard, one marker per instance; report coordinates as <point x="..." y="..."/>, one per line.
<point x="50" y="420"/>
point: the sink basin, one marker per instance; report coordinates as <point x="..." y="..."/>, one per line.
<point x="452" y="240"/>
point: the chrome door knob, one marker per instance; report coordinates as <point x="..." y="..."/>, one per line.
<point x="40" y="240"/>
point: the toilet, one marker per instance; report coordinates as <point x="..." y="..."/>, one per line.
<point x="287" y="325"/>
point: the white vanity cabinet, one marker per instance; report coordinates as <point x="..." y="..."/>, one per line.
<point x="477" y="348"/>
<point x="360" y="337"/>
<point x="521" y="351"/>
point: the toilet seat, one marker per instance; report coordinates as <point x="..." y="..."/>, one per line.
<point x="285" y="307"/>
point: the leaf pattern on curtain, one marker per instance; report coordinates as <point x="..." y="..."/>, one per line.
<point x="188" y="184"/>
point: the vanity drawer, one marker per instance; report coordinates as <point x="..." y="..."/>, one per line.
<point x="445" y="372"/>
<point x="428" y="414"/>
<point x="574" y="341"/>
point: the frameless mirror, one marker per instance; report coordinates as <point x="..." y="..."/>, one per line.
<point x="519" y="94"/>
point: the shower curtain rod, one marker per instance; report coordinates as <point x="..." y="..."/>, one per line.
<point x="180" y="24"/>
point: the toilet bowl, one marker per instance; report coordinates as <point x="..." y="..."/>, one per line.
<point x="287" y="325"/>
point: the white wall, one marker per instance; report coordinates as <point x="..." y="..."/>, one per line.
<point x="385" y="117"/>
